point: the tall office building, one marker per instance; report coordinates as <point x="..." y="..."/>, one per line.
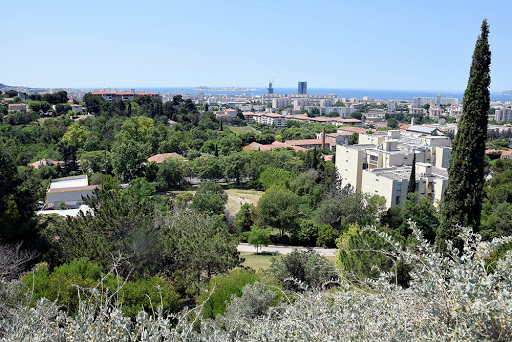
<point x="270" y="88"/>
<point x="303" y="88"/>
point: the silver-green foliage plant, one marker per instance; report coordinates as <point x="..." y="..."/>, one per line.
<point x="452" y="297"/>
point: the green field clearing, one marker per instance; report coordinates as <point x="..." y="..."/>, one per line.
<point x="237" y="197"/>
<point x="251" y="196"/>
<point x="263" y="261"/>
<point x="256" y="261"/>
<point x="242" y="129"/>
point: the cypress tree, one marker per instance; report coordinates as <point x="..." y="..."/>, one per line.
<point x="412" y="179"/>
<point x="462" y="203"/>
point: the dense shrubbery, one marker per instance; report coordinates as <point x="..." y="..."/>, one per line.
<point x="450" y="297"/>
<point x="82" y="279"/>
<point x="303" y="271"/>
<point x="220" y="290"/>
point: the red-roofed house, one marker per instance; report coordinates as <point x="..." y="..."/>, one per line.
<point x="159" y="158"/>
<point x="309" y="144"/>
<point x="341" y="138"/>
<point x="17" y="107"/>
<point x="504" y="154"/>
<point x="352" y="129"/>
<point x="45" y="162"/>
<point x="276" y="144"/>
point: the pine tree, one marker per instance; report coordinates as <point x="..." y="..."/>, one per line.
<point x="462" y="203"/>
<point x="412" y="179"/>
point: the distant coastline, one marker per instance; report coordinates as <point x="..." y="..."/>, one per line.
<point x="229" y="89"/>
<point x="342" y="93"/>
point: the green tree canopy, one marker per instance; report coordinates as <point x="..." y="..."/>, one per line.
<point x="210" y="198"/>
<point x="278" y="208"/>
<point x="170" y="173"/>
<point x="258" y="237"/>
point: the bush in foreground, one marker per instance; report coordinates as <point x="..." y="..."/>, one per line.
<point x="451" y="297"/>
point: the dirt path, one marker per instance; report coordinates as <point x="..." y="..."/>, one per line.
<point x="281" y="249"/>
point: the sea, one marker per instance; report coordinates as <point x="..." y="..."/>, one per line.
<point x="343" y="93"/>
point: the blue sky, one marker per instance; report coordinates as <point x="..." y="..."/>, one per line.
<point x="406" y="45"/>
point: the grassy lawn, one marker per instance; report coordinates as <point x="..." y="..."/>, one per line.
<point x="242" y="129"/>
<point x="263" y="261"/>
<point x="250" y="196"/>
<point x="257" y="261"/>
<point x="43" y="119"/>
<point x="237" y="197"/>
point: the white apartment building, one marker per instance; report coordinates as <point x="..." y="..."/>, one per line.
<point x="314" y="99"/>
<point x="344" y="112"/>
<point x="501" y="115"/>
<point x="437" y="101"/>
<point x="298" y="104"/>
<point x="381" y="164"/>
<point x="267" y="118"/>
<point x="455" y="110"/>
<point x="123" y="95"/>
<point x="436" y="111"/>
<point x="281" y="102"/>
<point x="391" y="106"/>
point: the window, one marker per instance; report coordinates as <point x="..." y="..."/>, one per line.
<point x="397" y="200"/>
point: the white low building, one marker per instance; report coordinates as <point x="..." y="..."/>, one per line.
<point x="68" y="192"/>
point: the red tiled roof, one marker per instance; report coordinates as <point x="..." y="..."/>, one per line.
<point x="273" y="115"/>
<point x="352" y="129"/>
<point x="301" y="142"/>
<point x="338" y="134"/>
<point x="503" y="152"/>
<point x="45" y="162"/>
<point x="276" y="144"/>
<point x="159" y="158"/>
<point x="351" y="120"/>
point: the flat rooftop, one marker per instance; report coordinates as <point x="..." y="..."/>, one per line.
<point x="404" y="172"/>
<point x="69" y="182"/>
<point x="406" y="142"/>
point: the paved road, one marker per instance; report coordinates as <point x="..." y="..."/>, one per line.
<point x="282" y="249"/>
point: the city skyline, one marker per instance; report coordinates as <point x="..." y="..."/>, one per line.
<point x="394" y="45"/>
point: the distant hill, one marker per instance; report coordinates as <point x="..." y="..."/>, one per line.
<point x="506" y="92"/>
<point x="3" y="86"/>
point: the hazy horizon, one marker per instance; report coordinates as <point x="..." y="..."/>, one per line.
<point x="330" y="44"/>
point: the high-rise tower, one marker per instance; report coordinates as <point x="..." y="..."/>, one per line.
<point x="303" y="88"/>
<point x="270" y="88"/>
